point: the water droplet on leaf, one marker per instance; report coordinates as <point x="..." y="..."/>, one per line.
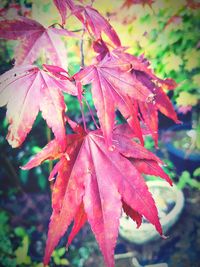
<point x="112" y="148"/>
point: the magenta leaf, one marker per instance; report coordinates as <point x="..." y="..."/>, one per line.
<point x="98" y="194"/>
<point x="57" y="71"/>
<point x="94" y="22"/>
<point x="34" y="37"/>
<point x="134" y="215"/>
<point x="62" y="8"/>
<point x="151" y="167"/>
<point x="112" y="86"/>
<point x="79" y="221"/>
<point x="26" y="90"/>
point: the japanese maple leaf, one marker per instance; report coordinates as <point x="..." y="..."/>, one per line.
<point x="34" y="37"/>
<point x="149" y="115"/>
<point x="160" y="102"/>
<point x="26" y="90"/>
<point x="62" y="8"/>
<point x="129" y="3"/>
<point x="140" y="64"/>
<point x="90" y="18"/>
<point x="149" y="109"/>
<point x="113" y="86"/>
<point x="93" y="184"/>
<point x="101" y="48"/>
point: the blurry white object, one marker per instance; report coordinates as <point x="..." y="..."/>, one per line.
<point x="163" y="194"/>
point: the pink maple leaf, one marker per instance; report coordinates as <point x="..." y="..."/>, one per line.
<point x="97" y="194"/>
<point x="33" y="38"/>
<point x="113" y="86"/>
<point x="94" y="22"/>
<point x="26" y="90"/>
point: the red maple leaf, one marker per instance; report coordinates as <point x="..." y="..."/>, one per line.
<point x="57" y="72"/>
<point x="129" y="3"/>
<point x="149" y="115"/>
<point x="157" y="100"/>
<point x="113" y="86"/>
<point x="90" y="18"/>
<point x="33" y="38"/>
<point x="123" y="81"/>
<point x="93" y="184"/>
<point x="160" y="102"/>
<point x="134" y="215"/>
<point x="26" y="90"/>
<point x="101" y="48"/>
<point x="62" y="8"/>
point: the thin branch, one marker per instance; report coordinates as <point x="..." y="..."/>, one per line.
<point x="91" y="113"/>
<point x="50" y="166"/>
<point x="12" y="171"/>
<point x="80" y="97"/>
<point x="82" y="49"/>
<point x="79" y="30"/>
<point x="48" y="134"/>
<point x="54" y="24"/>
<point x="92" y="2"/>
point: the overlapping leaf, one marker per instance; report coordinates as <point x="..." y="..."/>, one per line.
<point x="94" y="22"/>
<point x="113" y="86"/>
<point x="62" y="8"/>
<point x="33" y="38"/>
<point x="94" y="184"/>
<point x="26" y="90"/>
<point x="134" y="215"/>
<point x="160" y="102"/>
<point x="147" y="107"/>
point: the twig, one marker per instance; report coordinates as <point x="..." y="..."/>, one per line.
<point x="82" y="49"/>
<point x="79" y="30"/>
<point x="91" y="113"/>
<point x="56" y="23"/>
<point x="50" y="166"/>
<point x="12" y="171"/>
<point x="48" y="134"/>
<point x="80" y="97"/>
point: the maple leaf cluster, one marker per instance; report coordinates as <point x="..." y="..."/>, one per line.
<point x="98" y="173"/>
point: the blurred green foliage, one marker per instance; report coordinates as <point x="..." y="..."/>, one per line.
<point x="6" y="246"/>
<point x="170" y="40"/>
<point x="178" y="56"/>
<point x="14" y="245"/>
<point x="188" y="180"/>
